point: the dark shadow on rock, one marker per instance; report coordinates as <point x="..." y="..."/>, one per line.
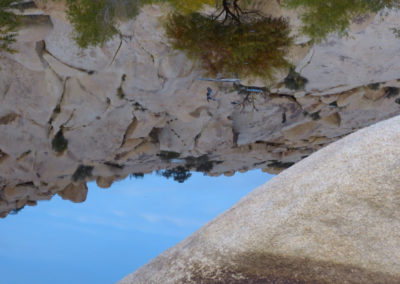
<point x="258" y="267"/>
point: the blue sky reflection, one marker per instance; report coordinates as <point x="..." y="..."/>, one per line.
<point x="115" y="231"/>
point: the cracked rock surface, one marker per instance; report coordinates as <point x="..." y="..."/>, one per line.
<point x="135" y="105"/>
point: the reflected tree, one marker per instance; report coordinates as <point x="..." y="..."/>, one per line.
<point x="179" y="174"/>
<point x="322" y="17"/>
<point x="95" y="22"/>
<point x="8" y="25"/>
<point x="232" y="41"/>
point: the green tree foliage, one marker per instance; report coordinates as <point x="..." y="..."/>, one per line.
<point x="8" y="24"/>
<point x="232" y="42"/>
<point x="334" y="16"/>
<point x="82" y="172"/>
<point x="179" y="174"/>
<point x="93" y="20"/>
<point x="137" y="175"/>
<point x="295" y="81"/>
<point x="59" y="143"/>
<point x="189" y="6"/>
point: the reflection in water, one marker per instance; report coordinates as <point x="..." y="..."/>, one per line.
<point x="8" y="23"/>
<point x="63" y="242"/>
<point x="335" y="16"/>
<point x="236" y="39"/>
<point x="102" y="90"/>
<point x="103" y="97"/>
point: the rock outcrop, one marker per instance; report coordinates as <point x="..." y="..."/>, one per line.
<point x="135" y="105"/>
<point x="331" y="218"/>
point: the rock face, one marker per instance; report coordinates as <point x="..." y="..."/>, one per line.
<point x="331" y="218"/>
<point x="135" y="105"/>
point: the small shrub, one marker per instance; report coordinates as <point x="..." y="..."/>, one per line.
<point x="205" y="167"/>
<point x="334" y="104"/>
<point x="294" y="81"/>
<point x="391" y="92"/>
<point x="283" y="117"/>
<point x="120" y="93"/>
<point x="179" y="174"/>
<point x="168" y="155"/>
<point x="154" y="134"/>
<point x="136" y="175"/>
<point x="201" y="164"/>
<point x="315" y="116"/>
<point x="396" y="32"/>
<point x="82" y="172"/>
<point x="280" y="165"/>
<point x="374" y="86"/>
<point x="59" y="143"/>
<point x="254" y="47"/>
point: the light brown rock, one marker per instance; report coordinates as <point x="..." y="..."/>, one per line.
<point x="104" y="182"/>
<point x="229" y="174"/>
<point x="14" y="193"/>
<point x="74" y="193"/>
<point x="300" y="131"/>
<point x="374" y="95"/>
<point x="331" y="218"/>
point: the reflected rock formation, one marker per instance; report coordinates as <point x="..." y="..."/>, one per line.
<point x="134" y="105"/>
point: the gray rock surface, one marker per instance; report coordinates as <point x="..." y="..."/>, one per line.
<point x="352" y="56"/>
<point x="331" y="218"/>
